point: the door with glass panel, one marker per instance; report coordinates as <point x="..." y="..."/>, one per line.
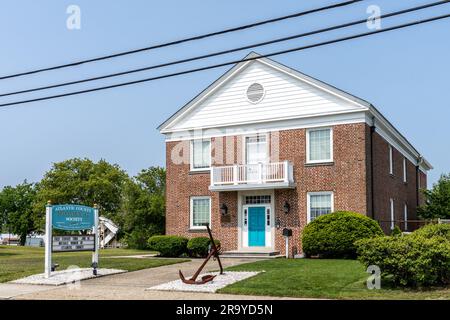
<point x="255" y="155"/>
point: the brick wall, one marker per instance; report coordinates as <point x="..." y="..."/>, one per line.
<point x="348" y="177"/>
<point x="387" y="186"/>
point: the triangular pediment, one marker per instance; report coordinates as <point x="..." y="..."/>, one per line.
<point x="287" y="94"/>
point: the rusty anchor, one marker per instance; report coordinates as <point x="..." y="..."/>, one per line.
<point x="214" y="252"/>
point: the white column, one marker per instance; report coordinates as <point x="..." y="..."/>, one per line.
<point x="286" y="171"/>
<point x="235" y="174"/>
<point x="48" y="240"/>
<point x="260" y="172"/>
<point x="96" y="236"/>
<point x="287" y="247"/>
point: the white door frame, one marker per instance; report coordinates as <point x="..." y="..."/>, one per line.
<point x="243" y="230"/>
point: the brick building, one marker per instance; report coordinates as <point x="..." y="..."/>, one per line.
<point x="266" y="147"/>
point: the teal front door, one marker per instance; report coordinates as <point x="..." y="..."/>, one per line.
<point x="256" y="227"/>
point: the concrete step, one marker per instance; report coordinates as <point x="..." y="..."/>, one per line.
<point x="251" y="254"/>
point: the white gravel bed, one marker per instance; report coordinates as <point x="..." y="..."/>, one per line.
<point x="219" y="282"/>
<point x="58" y="278"/>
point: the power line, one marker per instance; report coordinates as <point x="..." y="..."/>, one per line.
<point x="360" y="35"/>
<point x="349" y="24"/>
<point x="199" y="37"/>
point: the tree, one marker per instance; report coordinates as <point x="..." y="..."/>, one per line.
<point x="143" y="213"/>
<point x="16" y="203"/>
<point x="437" y="200"/>
<point x="82" y="181"/>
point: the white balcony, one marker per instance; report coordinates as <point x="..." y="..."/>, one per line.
<point x="277" y="175"/>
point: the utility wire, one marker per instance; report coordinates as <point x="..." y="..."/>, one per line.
<point x="360" y="35"/>
<point x="199" y="37"/>
<point x="392" y="14"/>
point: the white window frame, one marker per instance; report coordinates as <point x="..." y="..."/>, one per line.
<point x="308" y="160"/>
<point x="191" y="156"/>
<point x="405" y="171"/>
<point x="405" y="213"/>
<point x="391" y="201"/>
<point x="191" y="212"/>
<point x="244" y="145"/>
<point x="391" y="160"/>
<point x="308" y="202"/>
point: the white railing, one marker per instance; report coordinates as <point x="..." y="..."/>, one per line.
<point x="252" y="173"/>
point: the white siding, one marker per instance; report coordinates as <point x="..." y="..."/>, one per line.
<point x="285" y="97"/>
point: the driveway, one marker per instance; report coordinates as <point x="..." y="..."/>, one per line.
<point x="128" y="286"/>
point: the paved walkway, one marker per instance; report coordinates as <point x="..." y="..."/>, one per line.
<point x="127" y="286"/>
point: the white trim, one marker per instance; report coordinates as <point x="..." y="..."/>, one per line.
<point x="244" y="145"/>
<point x="191" y="155"/>
<point x="392" y="207"/>
<point x="321" y="120"/>
<point x="308" y="131"/>
<point x="191" y="213"/>
<point x="308" y="202"/>
<point x="203" y="95"/>
<point x="242" y="233"/>
<point x="405" y="215"/>
<point x="391" y="160"/>
<point x="391" y="133"/>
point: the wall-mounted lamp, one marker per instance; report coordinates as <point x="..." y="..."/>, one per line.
<point x="223" y="209"/>
<point x="286" y="207"/>
<point x="278" y="223"/>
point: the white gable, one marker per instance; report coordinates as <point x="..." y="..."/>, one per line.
<point x="286" y="97"/>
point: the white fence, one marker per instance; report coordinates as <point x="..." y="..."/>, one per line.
<point x="252" y="173"/>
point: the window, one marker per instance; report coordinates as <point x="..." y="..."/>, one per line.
<point x="404" y="170"/>
<point x="319" y="203"/>
<point x="405" y="212"/>
<point x="257" y="199"/>
<point x="200" y="154"/>
<point x="392" y="214"/>
<point x="200" y="212"/>
<point x="256" y="149"/>
<point x="391" y="161"/>
<point x="319" y="145"/>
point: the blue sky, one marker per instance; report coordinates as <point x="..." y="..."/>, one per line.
<point x="403" y="73"/>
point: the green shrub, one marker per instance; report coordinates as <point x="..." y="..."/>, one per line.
<point x="434" y="230"/>
<point x="137" y="239"/>
<point x="409" y="260"/>
<point x="333" y="235"/>
<point x="168" y="246"/>
<point x="198" y="247"/>
<point x="396" y="231"/>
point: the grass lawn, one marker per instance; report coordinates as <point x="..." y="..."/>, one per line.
<point x="19" y="262"/>
<point x="319" y="278"/>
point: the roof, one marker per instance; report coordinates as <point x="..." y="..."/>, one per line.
<point x="378" y="118"/>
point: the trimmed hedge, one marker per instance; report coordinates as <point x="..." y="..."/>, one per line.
<point x="408" y="260"/>
<point x="198" y="247"/>
<point x="434" y="230"/>
<point x="168" y="246"/>
<point x="333" y="235"/>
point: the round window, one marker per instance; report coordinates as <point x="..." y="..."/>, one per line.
<point x="255" y="93"/>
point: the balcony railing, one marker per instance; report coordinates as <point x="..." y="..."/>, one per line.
<point x="252" y="176"/>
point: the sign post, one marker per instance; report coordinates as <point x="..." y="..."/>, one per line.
<point x="71" y="217"/>
<point x="96" y="243"/>
<point x="48" y="239"/>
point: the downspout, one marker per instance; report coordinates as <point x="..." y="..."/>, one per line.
<point x="372" y="200"/>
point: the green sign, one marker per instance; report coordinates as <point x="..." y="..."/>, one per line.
<point x="72" y="217"/>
